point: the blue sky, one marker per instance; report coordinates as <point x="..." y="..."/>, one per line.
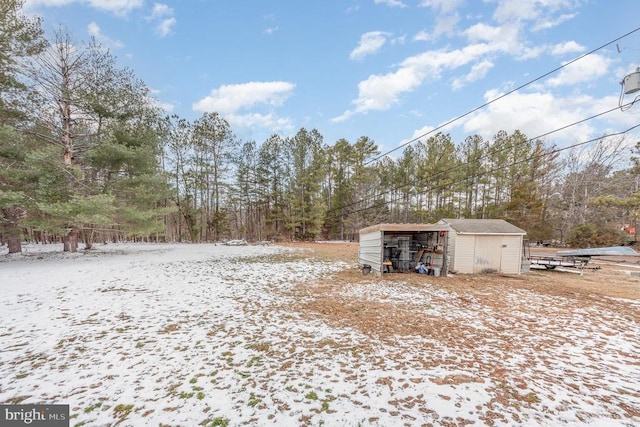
<point x="391" y="70"/>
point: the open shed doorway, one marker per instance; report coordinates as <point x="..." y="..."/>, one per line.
<point x="403" y="248"/>
<point x="407" y="252"/>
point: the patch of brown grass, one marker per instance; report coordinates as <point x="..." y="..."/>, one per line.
<point x="611" y="279"/>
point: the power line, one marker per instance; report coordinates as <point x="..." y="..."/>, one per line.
<point x="449" y="184"/>
<point x="455" y="119"/>
<point x="490" y="153"/>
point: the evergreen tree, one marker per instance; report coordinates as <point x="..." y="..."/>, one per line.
<point x="306" y="160"/>
<point x="436" y="174"/>
<point x="272" y="181"/>
<point x="365" y="184"/>
<point x="128" y="160"/>
<point x="20" y="38"/>
<point x="341" y="195"/>
<point x="177" y="149"/>
<point x="13" y="200"/>
<point x="106" y="128"/>
<point x="472" y="185"/>
<point x="214" y="150"/>
<point x="247" y="195"/>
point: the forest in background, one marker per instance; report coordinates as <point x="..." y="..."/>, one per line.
<point x="88" y="155"/>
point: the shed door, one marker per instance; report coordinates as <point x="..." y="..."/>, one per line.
<point x="511" y="254"/>
<point x="488" y="254"/>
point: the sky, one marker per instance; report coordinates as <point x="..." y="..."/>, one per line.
<point x="390" y="70"/>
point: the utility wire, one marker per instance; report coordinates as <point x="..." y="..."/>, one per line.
<point x="455" y="119"/>
<point x="449" y="184"/>
<point x="491" y="152"/>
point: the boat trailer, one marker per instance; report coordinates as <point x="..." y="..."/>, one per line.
<point x="576" y="258"/>
<point x="550" y="263"/>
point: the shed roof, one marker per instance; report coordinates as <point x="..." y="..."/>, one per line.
<point x="404" y="227"/>
<point x="482" y="226"/>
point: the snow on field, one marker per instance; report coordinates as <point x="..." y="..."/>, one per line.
<point x="144" y="334"/>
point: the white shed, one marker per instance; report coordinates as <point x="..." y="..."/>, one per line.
<point x="484" y="246"/>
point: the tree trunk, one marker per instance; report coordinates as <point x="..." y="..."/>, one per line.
<point x="12" y="232"/>
<point x="14" y="245"/>
<point x="88" y="239"/>
<point x="70" y="241"/>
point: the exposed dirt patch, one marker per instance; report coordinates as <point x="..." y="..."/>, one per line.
<point x="555" y="294"/>
<point x="523" y="333"/>
<point x="604" y="276"/>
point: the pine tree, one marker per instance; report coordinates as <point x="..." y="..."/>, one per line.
<point x="306" y="160"/>
<point x="20" y="38"/>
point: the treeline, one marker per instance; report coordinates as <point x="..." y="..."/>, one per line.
<point x="86" y="154"/>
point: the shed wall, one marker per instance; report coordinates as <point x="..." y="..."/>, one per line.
<point x="370" y="250"/>
<point x="463" y="253"/>
<point x="473" y="254"/>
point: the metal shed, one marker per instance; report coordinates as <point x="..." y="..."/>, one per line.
<point x="402" y="247"/>
<point x="484" y="246"/>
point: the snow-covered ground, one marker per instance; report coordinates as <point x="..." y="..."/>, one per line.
<point x="149" y="334"/>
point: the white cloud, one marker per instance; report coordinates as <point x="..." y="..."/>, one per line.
<point x="232" y="98"/>
<point x="485" y="42"/>
<point x="232" y="101"/>
<point x="418" y="133"/>
<point x="541" y="13"/>
<point x="391" y="3"/>
<point x="585" y="70"/>
<point x="370" y="43"/>
<point x="343" y="117"/>
<point x="164" y="27"/>
<point x="94" y="31"/>
<point x="48" y="3"/>
<point x="162" y="16"/>
<point x="478" y="71"/>
<point x="161" y="10"/>
<point x="446" y="24"/>
<point x="504" y="38"/>
<point x="268" y="121"/>
<point x="515" y="10"/>
<point x="118" y="7"/>
<point x="442" y="6"/>
<point x="380" y="92"/>
<point x="422" y="36"/>
<point x="534" y="114"/>
<point x="446" y="18"/>
<point x="560" y="49"/>
<point x="546" y="23"/>
<point x="531" y="52"/>
<point x="567" y="47"/>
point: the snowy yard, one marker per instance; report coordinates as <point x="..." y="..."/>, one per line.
<point x="226" y="335"/>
